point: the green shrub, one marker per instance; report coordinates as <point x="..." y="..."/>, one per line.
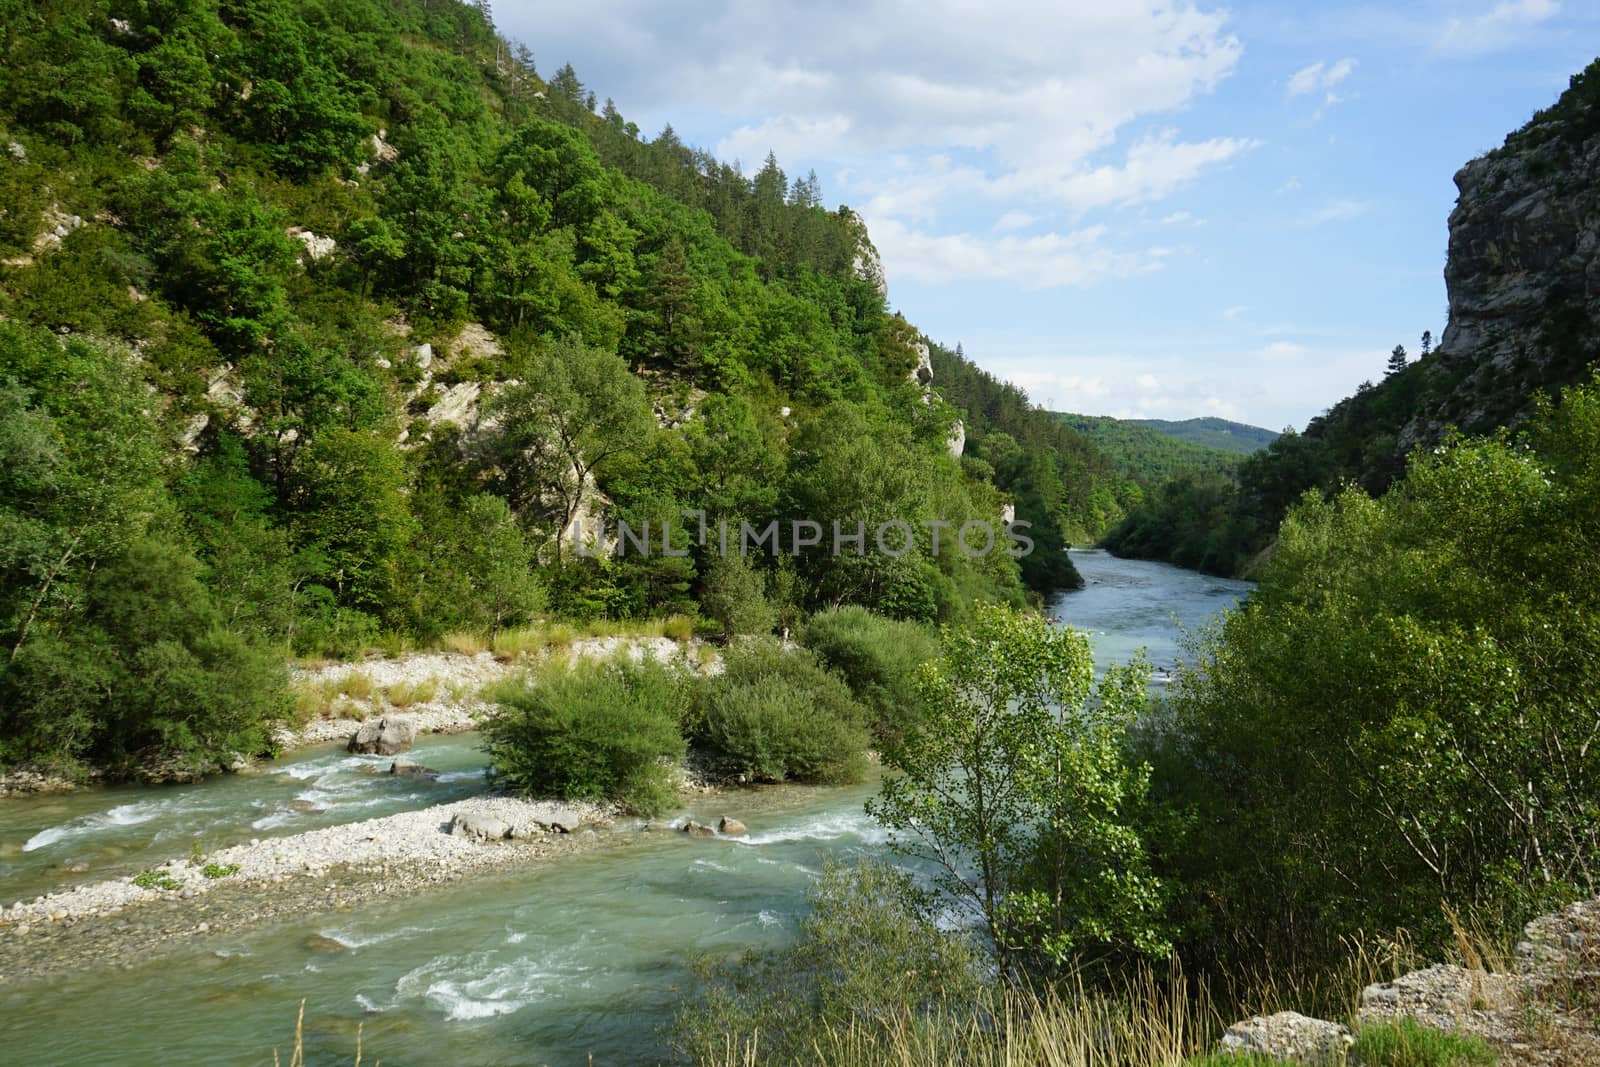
<point x="778" y="715"/>
<point x="597" y="732"/>
<point x="220" y="870"/>
<point x="734" y="594"/>
<point x="877" y="657"/>
<point x="1407" y="1043"/>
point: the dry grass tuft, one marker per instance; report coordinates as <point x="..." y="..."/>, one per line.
<point x="464" y="642"/>
<point x="406" y="694"/>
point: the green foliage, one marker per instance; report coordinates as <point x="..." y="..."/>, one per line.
<point x="1016" y="785"/>
<point x="1407" y="1043"/>
<point x="1395" y="713"/>
<point x="115" y="650"/>
<point x="776" y="714"/>
<point x="878" y="658"/>
<point x="220" y="870"/>
<point x="869" y="955"/>
<point x="1190" y="520"/>
<point x="154" y="880"/>
<point x="734" y="595"/>
<point x="607" y="732"/>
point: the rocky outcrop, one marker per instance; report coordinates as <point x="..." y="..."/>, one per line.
<point x="1539" y="1012"/>
<point x="1523" y="273"/>
<point x="388" y="736"/>
<point x="922" y="373"/>
<point x="316" y="248"/>
<point x="865" y="263"/>
<point x="956" y="442"/>
<point x="58" y="225"/>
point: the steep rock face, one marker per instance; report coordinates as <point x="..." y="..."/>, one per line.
<point x="865" y="263"/>
<point x="1523" y="273"/>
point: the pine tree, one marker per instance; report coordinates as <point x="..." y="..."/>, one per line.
<point x="1427" y="343"/>
<point x="673" y="297"/>
<point x="1397" y="360"/>
<point x="567" y="85"/>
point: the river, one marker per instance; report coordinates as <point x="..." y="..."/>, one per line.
<point x="542" y="966"/>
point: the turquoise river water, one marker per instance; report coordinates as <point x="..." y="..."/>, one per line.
<point x="553" y="964"/>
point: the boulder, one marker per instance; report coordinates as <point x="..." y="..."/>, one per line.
<point x="479" y="827"/>
<point x="726" y="825"/>
<point x="386" y="736"/>
<point x="1289" y="1036"/>
<point x="305" y="807"/>
<point x="564" y="820"/>
<point x="324" y="943"/>
<point x="404" y="768"/>
<point x="695" y="829"/>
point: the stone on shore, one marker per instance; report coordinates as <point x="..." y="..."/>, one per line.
<point x="386" y="736"/>
<point x="1289" y="1036"/>
<point x="479" y="827"/>
<point x="564" y="820"/>
<point x="726" y="825"/>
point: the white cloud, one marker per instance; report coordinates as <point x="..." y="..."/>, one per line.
<point x="1337" y="211"/>
<point x="1232" y="313"/>
<point x="1176" y="218"/>
<point x="1044" y="261"/>
<point x="1320" y="76"/>
<point x="1495" y="28"/>
<point x="1014" y="220"/>
<point x="1283" y="350"/>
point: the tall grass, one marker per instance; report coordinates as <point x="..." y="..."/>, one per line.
<point x="1146" y="1023"/>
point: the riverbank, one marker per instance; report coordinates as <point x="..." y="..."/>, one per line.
<point x="441" y="692"/>
<point x="445" y="692"/>
<point x="329" y="869"/>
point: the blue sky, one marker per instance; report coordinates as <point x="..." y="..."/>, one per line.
<point x="1130" y="208"/>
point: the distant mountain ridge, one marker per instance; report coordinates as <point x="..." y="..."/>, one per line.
<point x="1146" y="454"/>
<point x="1238" y="437"/>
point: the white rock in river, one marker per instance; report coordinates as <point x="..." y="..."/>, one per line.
<point x="388" y="736"/>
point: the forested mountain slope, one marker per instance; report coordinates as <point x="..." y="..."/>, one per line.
<point x="1147" y="454"/>
<point x="1215" y="433"/>
<point x="323" y="321"/>
<point x="1523" y="276"/>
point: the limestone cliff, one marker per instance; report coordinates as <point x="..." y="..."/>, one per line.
<point x="1523" y="273"/>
